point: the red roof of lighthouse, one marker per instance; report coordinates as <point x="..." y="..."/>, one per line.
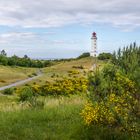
<point x="94" y="34"/>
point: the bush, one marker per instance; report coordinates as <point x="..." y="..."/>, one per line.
<point x="104" y="56"/>
<point x="65" y="86"/>
<point x="34" y="74"/>
<point x="26" y="94"/>
<point x="8" y="91"/>
<point x="30" y="97"/>
<point x="30" y="76"/>
<point x="112" y="101"/>
<point x="86" y="54"/>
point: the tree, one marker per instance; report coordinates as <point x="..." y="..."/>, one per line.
<point x="3" y="60"/>
<point x="12" y="61"/>
<point x="25" y="56"/>
<point x="3" y="53"/>
<point x="86" y="54"/>
<point x="105" y="56"/>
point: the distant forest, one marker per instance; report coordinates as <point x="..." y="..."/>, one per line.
<point x="23" y="62"/>
<point x="27" y="61"/>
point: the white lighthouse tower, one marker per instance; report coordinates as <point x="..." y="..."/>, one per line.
<point x="93" y="52"/>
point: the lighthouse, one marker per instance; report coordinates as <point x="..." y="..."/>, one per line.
<point x="93" y="52"/>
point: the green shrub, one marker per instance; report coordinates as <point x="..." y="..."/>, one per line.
<point x="8" y="91"/>
<point x="30" y="76"/>
<point x="26" y="94"/>
<point x="104" y="56"/>
<point x="112" y="101"/>
<point x="34" y="74"/>
<point x="86" y="54"/>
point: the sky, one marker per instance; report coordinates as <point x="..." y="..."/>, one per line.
<point x="63" y="28"/>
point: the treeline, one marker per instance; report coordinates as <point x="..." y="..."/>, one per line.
<point x="23" y="62"/>
<point x="85" y="54"/>
<point x="101" y="56"/>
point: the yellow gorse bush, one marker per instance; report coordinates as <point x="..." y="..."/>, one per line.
<point x="65" y="86"/>
<point x="114" y="109"/>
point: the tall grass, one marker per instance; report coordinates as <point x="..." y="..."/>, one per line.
<point x="53" y="122"/>
<point x="59" y="119"/>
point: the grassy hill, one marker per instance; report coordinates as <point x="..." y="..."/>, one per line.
<point x="50" y="117"/>
<point x="63" y="68"/>
<point x="9" y="74"/>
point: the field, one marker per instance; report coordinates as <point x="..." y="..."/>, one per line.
<point x="52" y="117"/>
<point x="9" y="74"/>
<point x="62" y="69"/>
<point x="59" y="119"/>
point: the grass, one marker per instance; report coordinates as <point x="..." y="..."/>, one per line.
<point x="59" y="119"/>
<point x="61" y="70"/>
<point x="9" y="74"/>
<point x="38" y="125"/>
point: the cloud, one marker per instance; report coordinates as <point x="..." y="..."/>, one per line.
<point x="17" y="37"/>
<point x="56" y="13"/>
<point x="31" y="38"/>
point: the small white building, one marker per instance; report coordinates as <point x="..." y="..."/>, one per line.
<point x="93" y="52"/>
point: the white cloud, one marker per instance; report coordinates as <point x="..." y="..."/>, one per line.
<point x="55" y="13"/>
<point x="17" y="37"/>
<point x="30" y="38"/>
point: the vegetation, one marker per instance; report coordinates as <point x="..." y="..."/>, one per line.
<point x="104" y="56"/>
<point x="26" y="94"/>
<point x="59" y="119"/>
<point x="86" y="54"/>
<point x="114" y="95"/>
<point x="23" y="62"/>
<point x="65" y="86"/>
<point x="64" y="69"/>
<point x="64" y="104"/>
<point x="10" y="74"/>
<point x="114" y="102"/>
<point x="8" y="91"/>
<point x="128" y="60"/>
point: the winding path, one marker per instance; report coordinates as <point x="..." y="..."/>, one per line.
<point x="20" y="82"/>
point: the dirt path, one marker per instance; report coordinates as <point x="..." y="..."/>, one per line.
<point x="20" y="82"/>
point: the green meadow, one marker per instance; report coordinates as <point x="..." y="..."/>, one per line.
<point x="50" y="117"/>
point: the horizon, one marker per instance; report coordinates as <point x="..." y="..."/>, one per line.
<point x="63" y="29"/>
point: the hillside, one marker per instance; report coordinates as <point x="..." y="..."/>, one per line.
<point x="63" y="68"/>
<point x="56" y="105"/>
<point x="9" y="74"/>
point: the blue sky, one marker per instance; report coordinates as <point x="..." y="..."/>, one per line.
<point x="63" y="28"/>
